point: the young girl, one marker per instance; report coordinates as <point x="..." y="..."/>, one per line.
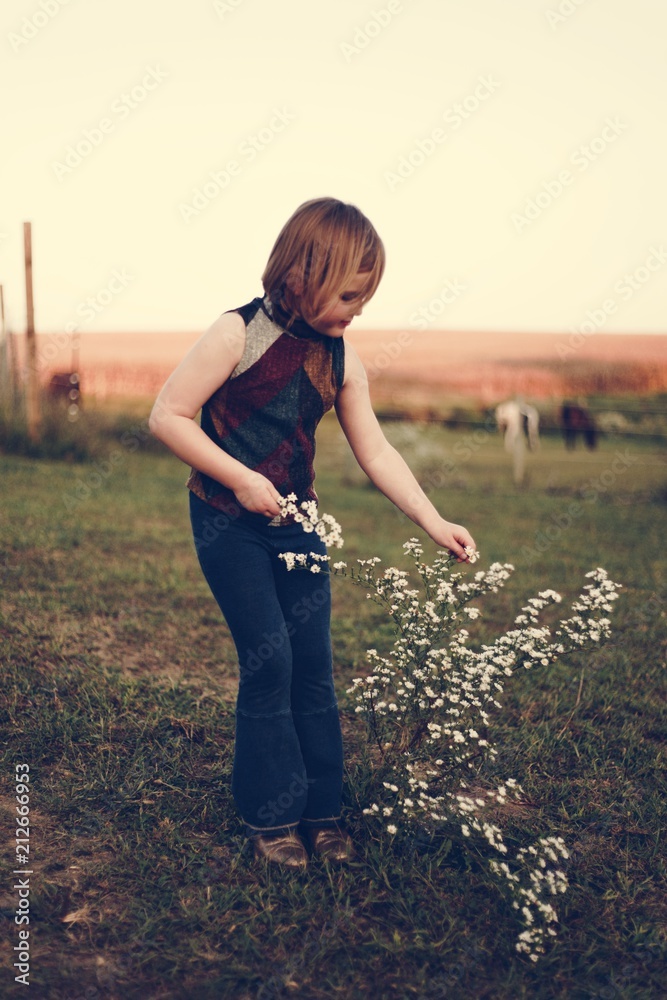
<point x="263" y="375"/>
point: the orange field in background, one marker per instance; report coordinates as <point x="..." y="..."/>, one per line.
<point x="403" y="366"/>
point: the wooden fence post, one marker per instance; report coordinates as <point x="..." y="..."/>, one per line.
<point x="5" y="375"/>
<point x="33" y="388"/>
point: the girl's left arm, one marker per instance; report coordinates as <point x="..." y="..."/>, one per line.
<point x="384" y="466"/>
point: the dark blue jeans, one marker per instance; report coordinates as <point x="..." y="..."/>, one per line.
<point x="288" y="754"/>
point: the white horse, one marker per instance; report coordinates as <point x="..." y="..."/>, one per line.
<point x="509" y="417"/>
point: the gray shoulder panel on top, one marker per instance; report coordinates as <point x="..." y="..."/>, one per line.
<point x="261" y="333"/>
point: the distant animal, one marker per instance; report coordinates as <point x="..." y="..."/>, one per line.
<point x="65" y="386"/>
<point x="577" y="420"/>
<point x="514" y="418"/>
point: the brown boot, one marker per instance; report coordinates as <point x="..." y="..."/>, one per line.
<point x="330" y="843"/>
<point x="286" y="849"/>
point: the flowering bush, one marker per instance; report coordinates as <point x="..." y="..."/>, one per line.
<point x="427" y="705"/>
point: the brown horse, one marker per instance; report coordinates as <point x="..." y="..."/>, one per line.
<point x="577" y="420"/>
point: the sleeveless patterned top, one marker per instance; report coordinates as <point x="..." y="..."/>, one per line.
<point x="266" y="413"/>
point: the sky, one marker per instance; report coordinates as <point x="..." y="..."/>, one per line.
<point x="511" y="156"/>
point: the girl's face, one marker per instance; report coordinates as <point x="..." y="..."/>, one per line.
<point x="341" y="310"/>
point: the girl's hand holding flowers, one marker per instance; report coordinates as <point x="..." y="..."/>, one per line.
<point x="455" y="538"/>
<point x="258" y="494"/>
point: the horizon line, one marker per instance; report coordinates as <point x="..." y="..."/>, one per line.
<point x="393" y="329"/>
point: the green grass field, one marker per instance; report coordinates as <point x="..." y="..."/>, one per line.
<point x="118" y="688"/>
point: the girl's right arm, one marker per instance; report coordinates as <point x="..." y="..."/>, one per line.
<point x="207" y="365"/>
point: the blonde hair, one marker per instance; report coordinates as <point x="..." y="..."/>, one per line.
<point x="322" y="246"/>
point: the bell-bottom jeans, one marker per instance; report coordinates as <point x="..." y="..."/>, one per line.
<point x="288" y="753"/>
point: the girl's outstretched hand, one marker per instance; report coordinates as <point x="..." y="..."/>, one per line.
<point x="453" y="537"/>
<point x="258" y="494"/>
